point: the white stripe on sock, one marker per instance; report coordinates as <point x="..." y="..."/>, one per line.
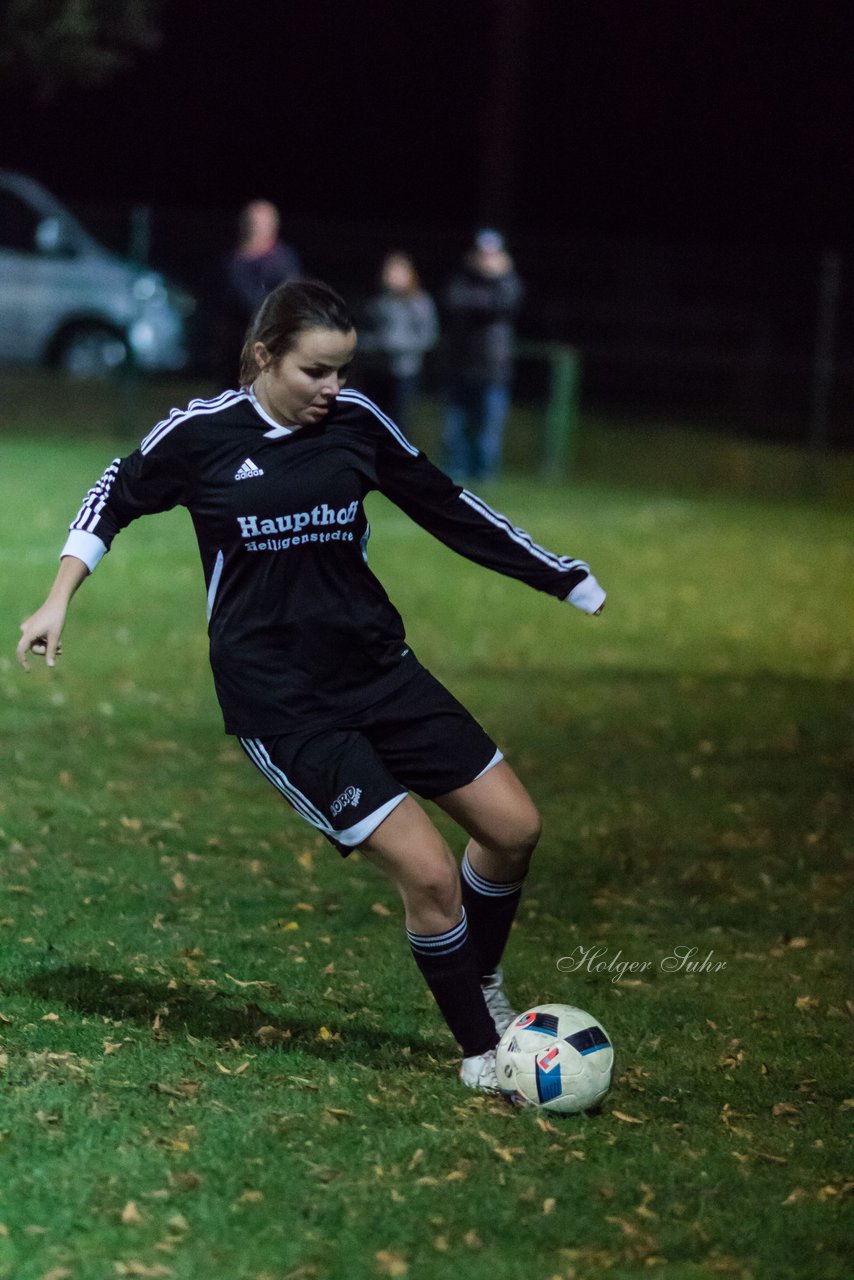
<point x="439" y="944"/>
<point x="489" y="888"/>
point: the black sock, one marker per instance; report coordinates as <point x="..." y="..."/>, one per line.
<point x="448" y="964"/>
<point x="490" y="907"/>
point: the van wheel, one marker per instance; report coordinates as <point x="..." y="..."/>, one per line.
<point x="92" y="351"/>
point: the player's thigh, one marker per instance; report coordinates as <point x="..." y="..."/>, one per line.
<point x="410" y="850"/>
<point x="496" y="810"/>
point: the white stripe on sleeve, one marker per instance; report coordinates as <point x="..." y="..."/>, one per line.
<point x="356" y="397"/>
<point x="561" y="563"/>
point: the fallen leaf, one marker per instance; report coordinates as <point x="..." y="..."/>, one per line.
<point x="135" y="1268"/>
<point x="380" y="909"/>
<point x="391" y="1264"/>
<point x="784" y="1109"/>
<point x="473" y="1240"/>
<point x="805" y="1003"/>
<point x="187" y="1181"/>
<point x="548" y="1206"/>
<point x="51" y="1017"/>
<point x="259" y="983"/>
<point x="272" y="1035"/>
<point x="186" y="1089"/>
<point x="621" y="1115"/>
<point x="794" y="1196"/>
<point x="131" y="1216"/>
<point x="643" y="1210"/>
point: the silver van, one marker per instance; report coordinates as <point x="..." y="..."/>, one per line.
<point x="67" y="301"/>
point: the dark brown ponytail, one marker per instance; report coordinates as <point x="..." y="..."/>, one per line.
<point x="286" y="313"/>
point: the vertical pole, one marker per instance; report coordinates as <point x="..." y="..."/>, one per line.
<point x="562" y="413"/>
<point x="822" y="365"/>
<point x="505" y="49"/>
<point x="127" y="380"/>
<point x="140" y="234"/>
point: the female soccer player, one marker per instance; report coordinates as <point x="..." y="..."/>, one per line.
<point x="310" y="661"/>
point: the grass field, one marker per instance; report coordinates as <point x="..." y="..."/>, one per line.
<point x="216" y="1057"/>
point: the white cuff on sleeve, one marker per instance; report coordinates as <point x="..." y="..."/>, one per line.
<point x="87" y="547"/>
<point x="588" y="595"/>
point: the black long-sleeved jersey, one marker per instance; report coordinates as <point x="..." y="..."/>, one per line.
<point x="301" y="631"/>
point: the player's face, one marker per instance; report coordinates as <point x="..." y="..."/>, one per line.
<point x="300" y="387"/>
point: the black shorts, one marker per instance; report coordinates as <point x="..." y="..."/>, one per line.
<point x="347" y="779"/>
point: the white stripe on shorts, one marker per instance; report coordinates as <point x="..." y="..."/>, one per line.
<point x="351" y="836"/>
<point x="496" y="759"/>
<point x="259" y="755"/>
<point x="360" y="832"/>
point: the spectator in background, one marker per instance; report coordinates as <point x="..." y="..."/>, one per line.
<point x="261" y="261"/>
<point x="480" y="301"/>
<point x="400" y="324"/>
<point x="253" y="269"/>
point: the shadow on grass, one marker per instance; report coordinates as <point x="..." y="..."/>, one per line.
<point x="210" y="1016"/>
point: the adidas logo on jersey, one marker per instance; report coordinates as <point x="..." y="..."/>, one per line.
<point x="248" y="470"/>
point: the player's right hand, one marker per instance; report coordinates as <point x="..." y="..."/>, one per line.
<point x="40" y="634"/>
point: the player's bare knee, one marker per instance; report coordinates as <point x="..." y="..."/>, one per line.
<point x="531" y="830"/>
<point x="516" y="839"/>
<point x="436" y="893"/>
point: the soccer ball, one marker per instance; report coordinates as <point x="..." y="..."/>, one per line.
<point x="556" y="1057"/>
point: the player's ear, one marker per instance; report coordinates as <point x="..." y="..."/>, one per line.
<point x="263" y="359"/>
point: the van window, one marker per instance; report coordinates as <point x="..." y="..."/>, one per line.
<point x="18" y="224"/>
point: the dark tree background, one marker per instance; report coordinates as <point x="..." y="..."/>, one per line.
<point x="50" y="45"/>
<point x="729" y="121"/>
